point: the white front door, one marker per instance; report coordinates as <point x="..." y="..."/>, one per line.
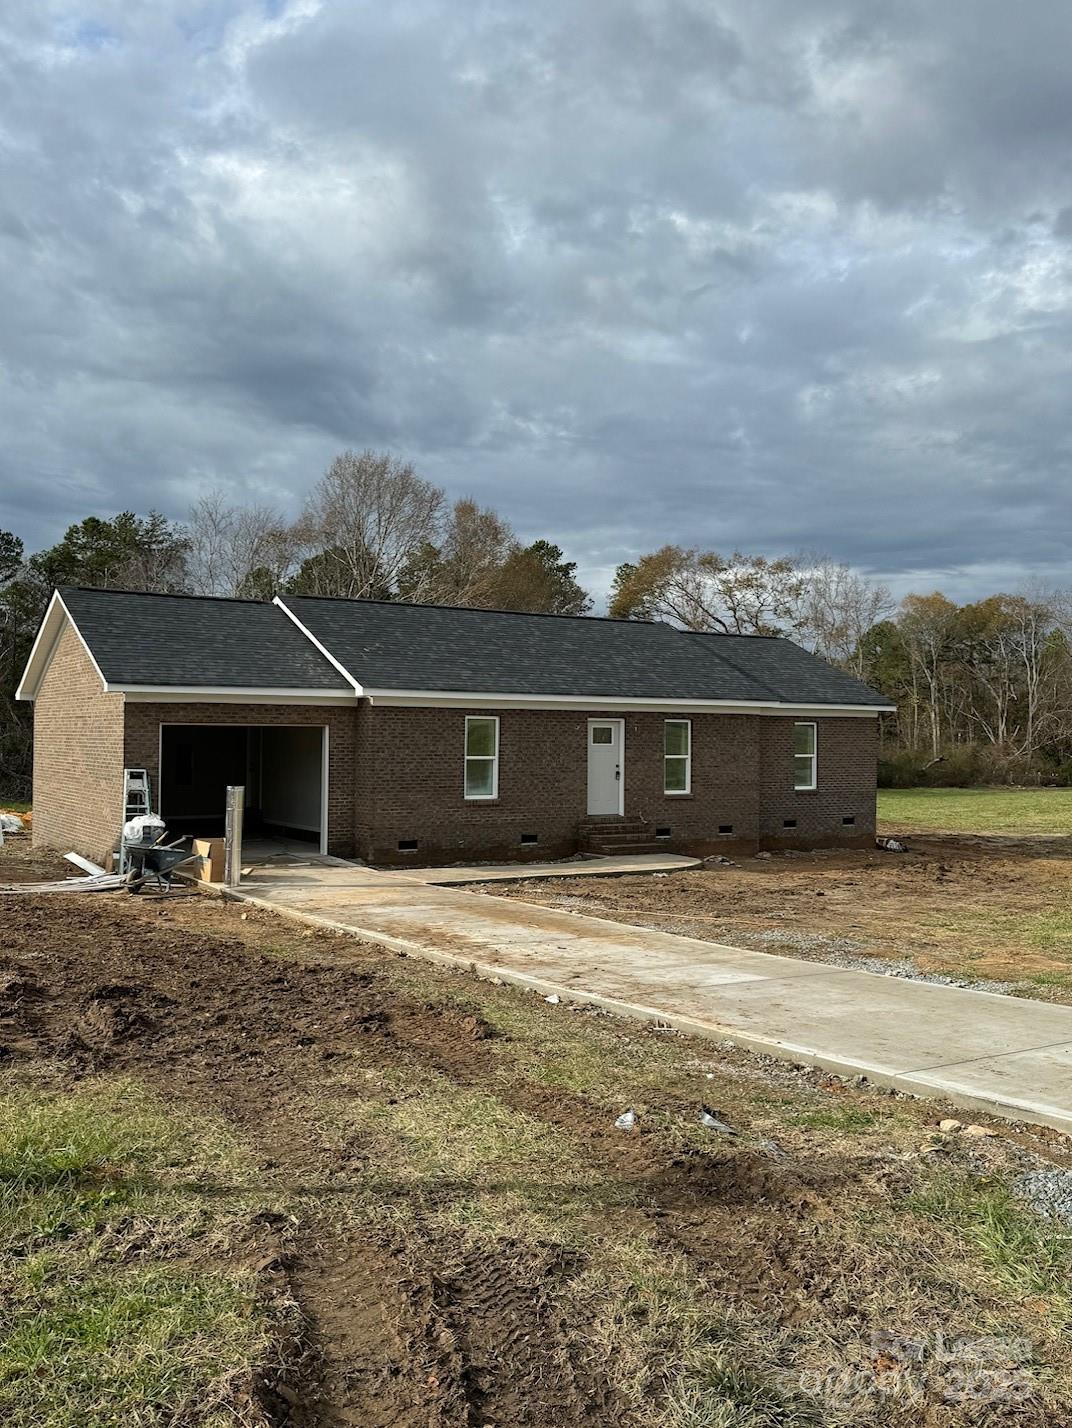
<point x="605" y="771"/>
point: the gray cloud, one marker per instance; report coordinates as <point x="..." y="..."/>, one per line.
<point x="782" y="274"/>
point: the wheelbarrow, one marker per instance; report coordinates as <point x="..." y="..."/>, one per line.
<point x="154" y="861"/>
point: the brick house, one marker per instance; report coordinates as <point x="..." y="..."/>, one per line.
<point x="423" y="734"/>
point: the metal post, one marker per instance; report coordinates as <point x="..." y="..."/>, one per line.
<point x="232" y="847"/>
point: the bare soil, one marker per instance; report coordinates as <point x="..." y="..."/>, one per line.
<point x="409" y="1323"/>
<point x="21" y="862"/>
<point x="972" y="909"/>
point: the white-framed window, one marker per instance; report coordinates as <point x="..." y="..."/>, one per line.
<point x="804" y="756"/>
<point x="677" y="755"/>
<point x="481" y="756"/>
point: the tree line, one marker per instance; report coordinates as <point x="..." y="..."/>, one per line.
<point x="984" y="690"/>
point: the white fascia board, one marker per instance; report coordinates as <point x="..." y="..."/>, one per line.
<point x="227" y="694"/>
<point x="277" y="600"/>
<point x="450" y="699"/>
<point x="44" y="644"/>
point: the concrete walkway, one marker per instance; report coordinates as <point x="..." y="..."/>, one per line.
<point x="984" y="1052"/>
<point x="593" y="867"/>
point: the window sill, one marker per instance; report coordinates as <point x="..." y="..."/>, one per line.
<point x="676" y="796"/>
<point x="477" y="799"/>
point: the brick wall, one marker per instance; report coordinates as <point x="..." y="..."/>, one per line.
<point x="397" y="774"/>
<point x="78" y="756"/>
<point x="409" y="784"/>
<point x="142" y="747"/>
<point x="847" y="752"/>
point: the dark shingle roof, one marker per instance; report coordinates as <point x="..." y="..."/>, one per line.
<point x="187" y="640"/>
<point x="428" y="647"/>
<point x="194" y="640"/>
<point x="794" y="675"/>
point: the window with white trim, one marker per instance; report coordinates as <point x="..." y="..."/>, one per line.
<point x="481" y="756"/>
<point x="677" y="755"/>
<point x="804" y="760"/>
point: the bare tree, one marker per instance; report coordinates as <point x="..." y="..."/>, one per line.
<point x="928" y="624"/>
<point x="367" y="518"/>
<point x="839" y="606"/>
<point x="233" y="548"/>
<point x="465" y="568"/>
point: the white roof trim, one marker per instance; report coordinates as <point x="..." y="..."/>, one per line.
<point x="227" y="694"/>
<point x="44" y="644"/>
<point x="452" y="699"/>
<point x="277" y="600"/>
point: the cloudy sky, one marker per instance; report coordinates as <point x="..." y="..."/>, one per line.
<point x="772" y="274"/>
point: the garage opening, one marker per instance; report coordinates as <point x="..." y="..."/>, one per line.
<point x="283" y="768"/>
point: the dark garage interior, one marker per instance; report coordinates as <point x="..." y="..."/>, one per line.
<point x="281" y="768"/>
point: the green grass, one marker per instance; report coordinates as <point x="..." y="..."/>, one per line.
<point x="123" y="1345"/>
<point x="13" y="805"/>
<point x="1028" y="1255"/>
<point x="977" y="810"/>
<point x="845" y="1118"/>
<point x="116" y="1301"/>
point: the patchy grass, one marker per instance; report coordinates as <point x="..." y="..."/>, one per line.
<point x="473" y="1238"/>
<point x="116" y="1303"/>
<point x="9" y="805"/>
<point x="712" y="1371"/>
<point x="845" y="1119"/>
<point x="1008" y="811"/>
<point x="130" y="1345"/>
<point x="1030" y="1256"/>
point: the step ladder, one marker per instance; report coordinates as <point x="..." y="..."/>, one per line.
<point x="136" y="801"/>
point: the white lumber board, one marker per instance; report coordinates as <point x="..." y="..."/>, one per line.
<point x="93" y="869"/>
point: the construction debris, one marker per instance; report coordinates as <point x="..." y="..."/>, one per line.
<point x="104" y="882"/>
<point x="93" y="869"/>
<point x="711" y="1120"/>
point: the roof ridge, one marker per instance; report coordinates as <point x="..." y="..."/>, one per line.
<point x="475" y="609"/>
<point x="737" y="635"/>
<point x="164" y="594"/>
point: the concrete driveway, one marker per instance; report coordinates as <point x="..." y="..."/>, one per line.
<point x="1005" y="1055"/>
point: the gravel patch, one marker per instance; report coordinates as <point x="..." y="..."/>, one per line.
<point x="844" y="952"/>
<point x="1048" y="1192"/>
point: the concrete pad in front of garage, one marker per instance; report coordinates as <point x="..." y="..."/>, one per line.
<point x="1009" y="1056"/>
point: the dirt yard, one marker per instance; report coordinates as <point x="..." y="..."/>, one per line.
<point x="975" y="910"/>
<point x="428" y="1216"/>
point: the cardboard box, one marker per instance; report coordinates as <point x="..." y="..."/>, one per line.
<point x="209" y="868"/>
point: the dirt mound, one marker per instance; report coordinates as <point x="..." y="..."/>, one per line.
<point x="113" y="1016"/>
